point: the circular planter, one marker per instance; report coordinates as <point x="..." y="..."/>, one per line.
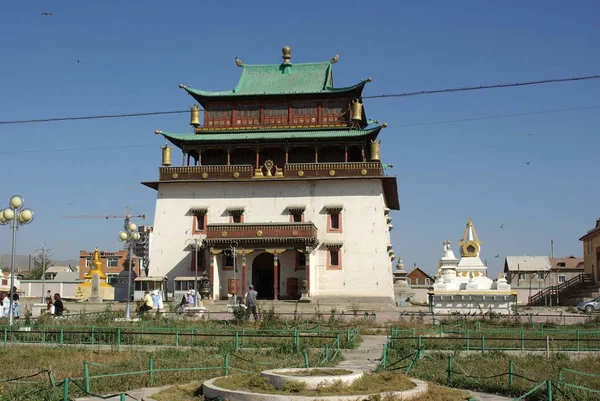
<point x="210" y="390"/>
<point x="278" y="377"/>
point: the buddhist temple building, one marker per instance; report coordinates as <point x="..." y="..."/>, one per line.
<point x="462" y="286"/>
<point x="283" y="183"/>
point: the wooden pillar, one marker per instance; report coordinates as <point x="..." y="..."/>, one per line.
<point x="183" y="160"/>
<point x="243" y="286"/>
<point x="199" y="157"/>
<point x="286" y="154"/>
<point x="228" y="156"/>
<point x="316" y="154"/>
<point x="362" y="152"/>
<point x="211" y="270"/>
<point x="275" y="277"/>
<point x="346" y="153"/>
<point x="257" y="156"/>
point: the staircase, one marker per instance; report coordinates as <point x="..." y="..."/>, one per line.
<point x="567" y="293"/>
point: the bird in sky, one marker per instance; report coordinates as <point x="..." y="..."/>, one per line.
<point x="528" y="163"/>
<point x="77" y="60"/>
<point x="497" y="256"/>
<point x="47" y="14"/>
<point x="502" y="226"/>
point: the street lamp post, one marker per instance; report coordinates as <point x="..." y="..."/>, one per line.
<point x="18" y="216"/>
<point x="233" y="249"/>
<point x="130" y="237"/>
<point x="196" y="243"/>
<point x="44" y="252"/>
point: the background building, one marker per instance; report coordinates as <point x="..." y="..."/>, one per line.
<point x="591" y="252"/>
<point x="112" y="263"/>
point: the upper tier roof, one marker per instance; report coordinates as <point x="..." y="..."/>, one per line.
<point x="268" y="134"/>
<point x="281" y="79"/>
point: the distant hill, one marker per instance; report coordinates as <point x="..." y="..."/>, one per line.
<point x="22" y="262"/>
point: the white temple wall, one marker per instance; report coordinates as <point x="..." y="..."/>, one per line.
<point x="366" y="267"/>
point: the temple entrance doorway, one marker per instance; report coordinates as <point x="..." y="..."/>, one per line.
<point x="262" y="275"/>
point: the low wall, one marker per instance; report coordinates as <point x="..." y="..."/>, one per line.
<point x="473" y="303"/>
<point x="33" y="288"/>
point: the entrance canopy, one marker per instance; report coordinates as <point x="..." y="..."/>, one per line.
<point x="261" y="235"/>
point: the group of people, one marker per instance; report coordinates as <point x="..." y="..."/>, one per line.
<point x="5" y="304"/>
<point x="55" y="308"/>
<point x="151" y="301"/>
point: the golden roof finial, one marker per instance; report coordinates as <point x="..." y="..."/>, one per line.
<point x="287" y="55"/>
<point x="335" y="59"/>
<point x="470" y="245"/>
<point x="239" y="62"/>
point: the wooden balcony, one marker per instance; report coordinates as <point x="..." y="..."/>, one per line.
<point x="290" y="170"/>
<point x="248" y="234"/>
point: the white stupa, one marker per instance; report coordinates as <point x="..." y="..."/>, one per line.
<point x="463" y="286"/>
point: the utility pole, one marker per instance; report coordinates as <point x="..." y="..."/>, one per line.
<point x="45" y="253"/>
<point x="552" y="248"/>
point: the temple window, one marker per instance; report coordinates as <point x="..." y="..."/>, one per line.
<point x="334" y="112"/>
<point x="296" y="214"/>
<point x="200" y="219"/>
<point x="227" y="262"/>
<point x="334" y="256"/>
<point x="219" y="115"/>
<point x="334" y="219"/>
<point x="87" y="262"/>
<point x="276" y="114"/>
<point x="300" y="260"/>
<point x="247" y="114"/>
<point x="304" y="113"/>
<point x="112" y="262"/>
<point x="236" y="215"/>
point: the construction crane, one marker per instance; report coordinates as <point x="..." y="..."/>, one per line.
<point x="127" y="216"/>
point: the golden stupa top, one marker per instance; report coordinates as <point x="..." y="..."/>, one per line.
<point x="95" y="267"/>
<point x="470" y="245"/>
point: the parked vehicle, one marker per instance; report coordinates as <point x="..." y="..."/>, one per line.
<point x="589" y="306"/>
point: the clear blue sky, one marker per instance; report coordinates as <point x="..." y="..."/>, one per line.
<point x="134" y="54"/>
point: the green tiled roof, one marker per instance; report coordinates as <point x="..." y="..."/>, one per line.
<point x="229" y="136"/>
<point x="281" y="79"/>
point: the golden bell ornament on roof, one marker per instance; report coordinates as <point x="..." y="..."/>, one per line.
<point x="375" y="151"/>
<point x="356" y="110"/>
<point x="166" y="155"/>
<point x="195" y="115"/>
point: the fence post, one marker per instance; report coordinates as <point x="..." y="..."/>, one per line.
<point x="384" y="356"/>
<point x="177" y="338"/>
<point x="62" y="332"/>
<point x="237" y="341"/>
<point x="467" y="345"/>
<point x="119" y="339"/>
<point x="66" y="389"/>
<point x="510" y="373"/>
<point x="449" y="371"/>
<point x="92" y="336"/>
<point x="5" y="335"/>
<point x="326" y="353"/>
<point x="296" y="337"/>
<point x="560" y="377"/>
<point x="347" y="337"/>
<point x="577" y="339"/>
<point x="306" y="363"/>
<point x="482" y="344"/>
<point x="414" y="335"/>
<point x="338" y="341"/>
<point x="244" y="336"/>
<point x="549" y="390"/>
<point x="419" y="345"/>
<point x="150" y="370"/>
<point x="86" y="377"/>
<point x="122" y="397"/>
<point x="522" y="339"/>
<point x="547" y="347"/>
<point x="226" y="364"/>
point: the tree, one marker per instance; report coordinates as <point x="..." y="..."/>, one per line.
<point x="38" y="266"/>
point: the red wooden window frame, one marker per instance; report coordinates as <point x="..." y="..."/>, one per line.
<point x="334" y="112"/>
<point x="331" y="254"/>
<point x="296" y="217"/>
<point x="276" y="114"/>
<point x="198" y="217"/>
<point x="305" y="113"/>
<point x="247" y="114"/>
<point x="331" y="220"/>
<point x="219" y="115"/>
<point x="201" y="266"/>
<point x="234" y="217"/>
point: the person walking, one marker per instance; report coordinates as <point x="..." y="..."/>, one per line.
<point x="16" y="308"/>
<point x="5" y="304"/>
<point x="251" y="301"/>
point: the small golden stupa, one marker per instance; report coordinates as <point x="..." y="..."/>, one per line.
<point x="95" y="268"/>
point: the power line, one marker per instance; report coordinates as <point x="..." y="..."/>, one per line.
<point x="405" y="94"/>
<point x="90" y="149"/>
<point x="532" y="113"/>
